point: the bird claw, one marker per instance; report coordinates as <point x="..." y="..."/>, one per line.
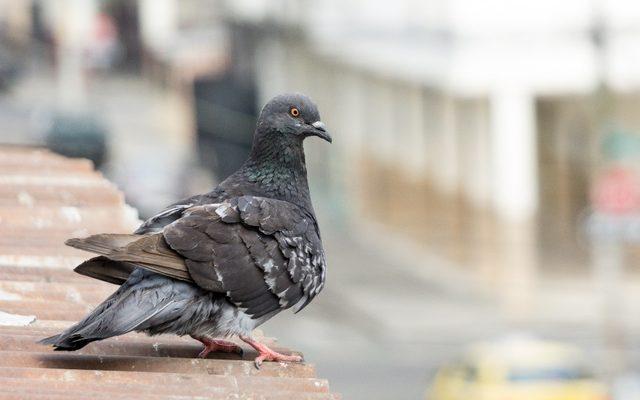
<point x="275" y="356"/>
<point x="218" y="345"/>
<point x="266" y="354"/>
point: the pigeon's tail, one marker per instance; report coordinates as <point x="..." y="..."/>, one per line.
<point x="138" y="304"/>
<point x="64" y="342"/>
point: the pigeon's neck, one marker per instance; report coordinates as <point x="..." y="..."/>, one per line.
<point x="277" y="168"/>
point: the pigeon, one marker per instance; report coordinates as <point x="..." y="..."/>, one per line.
<point x="219" y="264"/>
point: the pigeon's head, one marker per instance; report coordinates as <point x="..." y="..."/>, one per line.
<point x="294" y="115"/>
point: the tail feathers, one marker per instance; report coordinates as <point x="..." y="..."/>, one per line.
<point x="130" y="308"/>
<point x="78" y="336"/>
<point x="106" y="270"/>
<point x="66" y="343"/>
<point x="121" y="253"/>
<point x="105" y="244"/>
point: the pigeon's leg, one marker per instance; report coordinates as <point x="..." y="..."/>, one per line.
<point x="266" y="354"/>
<point x="217" y="345"/>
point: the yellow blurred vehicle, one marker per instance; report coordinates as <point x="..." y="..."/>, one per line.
<point x="518" y="369"/>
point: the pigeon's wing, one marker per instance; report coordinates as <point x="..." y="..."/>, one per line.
<point x="104" y="269"/>
<point x="121" y="253"/>
<point x="117" y="272"/>
<point x="265" y="254"/>
<point x="176" y="210"/>
<point x="163" y="218"/>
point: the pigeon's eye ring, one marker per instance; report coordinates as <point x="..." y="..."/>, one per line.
<point x="294" y="112"/>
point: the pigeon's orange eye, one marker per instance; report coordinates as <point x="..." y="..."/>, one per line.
<point x="294" y="112"/>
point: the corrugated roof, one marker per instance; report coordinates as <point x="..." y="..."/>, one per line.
<point x="46" y="198"/>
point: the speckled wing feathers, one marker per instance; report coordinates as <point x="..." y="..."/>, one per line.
<point x="257" y="249"/>
<point x="298" y="239"/>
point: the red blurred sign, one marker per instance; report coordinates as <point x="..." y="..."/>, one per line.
<point x="617" y="191"/>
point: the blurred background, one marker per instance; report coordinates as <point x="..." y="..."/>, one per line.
<point x="479" y="203"/>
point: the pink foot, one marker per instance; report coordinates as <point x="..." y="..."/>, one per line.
<point x="217" y="345"/>
<point x="266" y="354"/>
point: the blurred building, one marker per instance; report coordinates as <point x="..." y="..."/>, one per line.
<point x="466" y="129"/>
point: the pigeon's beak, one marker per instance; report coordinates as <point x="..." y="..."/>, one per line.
<point x="321" y="131"/>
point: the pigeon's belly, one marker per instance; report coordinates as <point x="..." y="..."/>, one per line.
<point x="229" y="321"/>
<point x="190" y="310"/>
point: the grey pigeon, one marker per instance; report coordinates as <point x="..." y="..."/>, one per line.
<point x="221" y="263"/>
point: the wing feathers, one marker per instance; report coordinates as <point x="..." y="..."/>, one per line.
<point x="106" y="270"/>
<point x="127" y="252"/>
<point x="265" y="253"/>
<point x="103" y="243"/>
